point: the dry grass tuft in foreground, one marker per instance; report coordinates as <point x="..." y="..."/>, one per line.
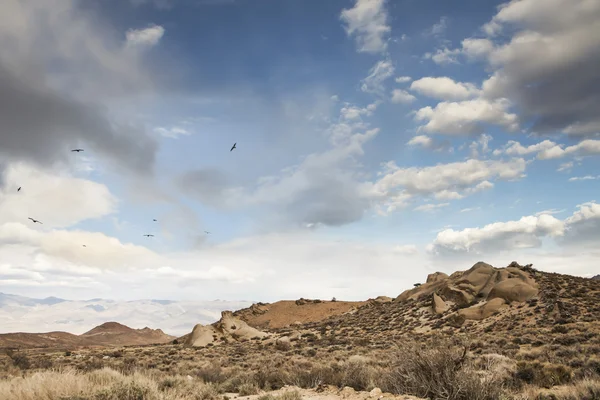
<point x="104" y="384"/>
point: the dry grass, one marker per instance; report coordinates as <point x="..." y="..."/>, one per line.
<point x="105" y="384"/>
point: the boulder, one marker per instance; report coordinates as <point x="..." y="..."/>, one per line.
<point x="439" y="305"/>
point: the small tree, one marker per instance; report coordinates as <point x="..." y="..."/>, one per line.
<point x="334" y="299"/>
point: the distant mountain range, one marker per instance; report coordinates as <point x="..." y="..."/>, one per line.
<point x="25" y="314"/>
<point x="597" y="277"/>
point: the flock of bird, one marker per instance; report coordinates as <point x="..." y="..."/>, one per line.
<point x="35" y="221"/>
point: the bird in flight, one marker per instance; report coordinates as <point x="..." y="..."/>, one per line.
<point x="149" y="235"/>
<point x="77" y="150"/>
<point x="19" y="189"/>
<point x="35" y="221"/>
<point x="207" y="232"/>
<point x="233" y="147"/>
<point x="154" y="220"/>
<point x="84" y="245"/>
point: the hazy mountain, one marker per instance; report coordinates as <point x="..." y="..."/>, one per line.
<point x="25" y="314"/>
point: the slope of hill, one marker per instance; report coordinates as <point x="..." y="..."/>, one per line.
<point x="482" y="299"/>
<point x="105" y="335"/>
<point x="596" y="277"/>
<point x="24" y="314"/>
<point x="286" y="312"/>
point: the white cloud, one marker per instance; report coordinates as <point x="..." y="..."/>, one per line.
<point x="444" y="180"/>
<point x="400" y="96"/>
<point x="469" y="209"/>
<point x="407" y="249"/>
<point x="565" y="166"/>
<point x="444" y="56"/>
<point x="582" y="228"/>
<point x="440" y="27"/>
<point x="514" y="148"/>
<point x="421" y="140"/>
<point x="52" y="197"/>
<point x="498" y="236"/>
<point x="144" y="37"/>
<point x="403" y="79"/>
<point x="368" y="22"/>
<point x="378" y="74"/>
<point x="589" y="147"/>
<point x="431" y="207"/>
<point x="172" y="133"/>
<point x="481" y="144"/>
<point x="444" y="88"/>
<point x="583" y="178"/>
<point x="351" y="112"/>
<point x="476" y="49"/>
<point x="466" y="117"/>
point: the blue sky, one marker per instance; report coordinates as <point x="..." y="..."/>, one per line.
<point x="377" y="141"/>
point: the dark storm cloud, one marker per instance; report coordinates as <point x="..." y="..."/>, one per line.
<point x="550" y="67"/>
<point x="41" y="126"/>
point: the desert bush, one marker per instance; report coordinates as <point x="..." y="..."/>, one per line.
<point x="248" y="389"/>
<point x="290" y="395"/>
<point x="438" y="373"/>
<point x="543" y="374"/>
<point x="19" y="359"/>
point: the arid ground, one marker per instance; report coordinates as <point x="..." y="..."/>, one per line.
<point x="485" y="333"/>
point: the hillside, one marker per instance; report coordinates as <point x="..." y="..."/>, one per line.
<point x="285" y="313"/>
<point x="105" y="335"/>
<point x="516" y="299"/>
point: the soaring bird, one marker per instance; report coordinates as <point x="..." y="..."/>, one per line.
<point x="84" y="245"/>
<point x="233" y="147"/>
<point x="154" y="220"/>
<point x="19" y="189"/>
<point x="149" y="235"/>
<point x="207" y="232"/>
<point x="35" y="221"/>
<point x="77" y="150"/>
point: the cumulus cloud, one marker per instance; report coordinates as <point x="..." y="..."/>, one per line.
<point x="367" y="21"/>
<point x="146" y="37"/>
<point x="476" y="49"/>
<point x="582" y="228"/>
<point x="466" y="117"/>
<point x="351" y="112"/>
<point x="524" y="233"/>
<point x="378" y="74"/>
<point x="444" y="56"/>
<point x="51" y="196"/>
<point x="514" y="148"/>
<point x="402" y="97"/>
<point x="429" y="143"/>
<point x="587" y="147"/>
<point x="448" y="181"/>
<point x="444" y="88"/>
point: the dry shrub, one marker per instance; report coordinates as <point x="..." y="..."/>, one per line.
<point x="543" y="374"/>
<point x="438" y="373"/>
<point x="358" y="374"/>
<point x="290" y="395"/>
<point x="248" y="389"/>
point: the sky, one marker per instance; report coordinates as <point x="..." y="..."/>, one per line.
<point x="377" y="141"/>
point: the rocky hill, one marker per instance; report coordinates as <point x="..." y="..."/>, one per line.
<point x="285" y="313"/>
<point x="106" y="335"/>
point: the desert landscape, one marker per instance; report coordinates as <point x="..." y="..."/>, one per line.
<point x="484" y="333"/>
